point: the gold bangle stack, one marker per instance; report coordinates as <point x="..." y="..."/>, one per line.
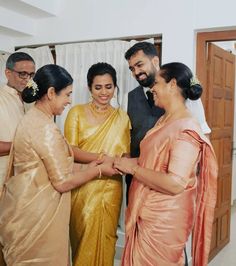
<point x="134" y="170"/>
<point x="100" y="171"/>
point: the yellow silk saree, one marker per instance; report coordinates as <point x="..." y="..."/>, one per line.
<point x="96" y="205"/>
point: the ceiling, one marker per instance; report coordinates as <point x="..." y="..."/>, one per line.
<point x="20" y="17"/>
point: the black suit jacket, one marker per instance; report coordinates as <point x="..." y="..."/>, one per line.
<point x="142" y="117"/>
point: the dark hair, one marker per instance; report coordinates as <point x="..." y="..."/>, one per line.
<point x="17" y="57"/>
<point x="47" y="76"/>
<point x="184" y="78"/>
<point x="148" y="48"/>
<point x="100" y="69"/>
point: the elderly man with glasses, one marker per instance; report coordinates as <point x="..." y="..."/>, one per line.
<point x="20" y="67"/>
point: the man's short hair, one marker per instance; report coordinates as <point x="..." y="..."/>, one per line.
<point x="17" y="57"/>
<point x="148" y="48"/>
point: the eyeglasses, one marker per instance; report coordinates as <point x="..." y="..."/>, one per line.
<point x="23" y="74"/>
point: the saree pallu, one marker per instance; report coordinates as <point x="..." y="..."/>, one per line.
<point x="157" y="224"/>
<point x="95" y="206"/>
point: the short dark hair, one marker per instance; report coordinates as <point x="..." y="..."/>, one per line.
<point x="98" y="69"/>
<point x="148" y="48"/>
<point x="183" y="76"/>
<point x="17" y="57"/>
<point x="47" y="76"/>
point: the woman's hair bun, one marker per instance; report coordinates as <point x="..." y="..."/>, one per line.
<point x="194" y="92"/>
<point x="30" y="93"/>
<point x="28" y="96"/>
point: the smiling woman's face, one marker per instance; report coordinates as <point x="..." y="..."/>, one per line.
<point x="161" y="91"/>
<point x="102" y="89"/>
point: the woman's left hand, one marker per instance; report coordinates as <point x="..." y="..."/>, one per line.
<point x="125" y="165"/>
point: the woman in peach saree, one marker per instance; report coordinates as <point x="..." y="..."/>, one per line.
<point x="95" y="207"/>
<point x="174" y="189"/>
<point x="35" y="203"/>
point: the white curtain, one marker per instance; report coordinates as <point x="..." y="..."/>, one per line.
<point x="77" y="59"/>
<point x="41" y="55"/>
<point x="3" y="60"/>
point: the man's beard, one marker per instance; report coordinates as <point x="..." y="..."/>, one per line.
<point x="147" y="82"/>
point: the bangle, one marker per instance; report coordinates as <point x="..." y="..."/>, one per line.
<point x="100" y="171"/>
<point x="134" y="170"/>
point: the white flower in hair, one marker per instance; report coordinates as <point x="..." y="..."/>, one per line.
<point x="31" y="84"/>
<point x="194" y="81"/>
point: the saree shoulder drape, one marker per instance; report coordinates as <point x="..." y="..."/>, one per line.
<point x="96" y="205"/>
<point x="34" y="217"/>
<point x="158" y="224"/>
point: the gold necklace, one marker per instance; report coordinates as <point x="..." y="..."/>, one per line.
<point x="100" y="112"/>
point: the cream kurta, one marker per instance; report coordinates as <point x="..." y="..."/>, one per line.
<point x="34" y="217"/>
<point x="11" y="112"/>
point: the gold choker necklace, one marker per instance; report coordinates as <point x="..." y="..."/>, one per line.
<point x="98" y="111"/>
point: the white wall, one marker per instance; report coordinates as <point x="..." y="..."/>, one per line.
<point x="106" y="19"/>
<point x="215" y="14"/>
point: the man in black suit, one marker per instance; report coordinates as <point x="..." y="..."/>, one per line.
<point x="143" y="62"/>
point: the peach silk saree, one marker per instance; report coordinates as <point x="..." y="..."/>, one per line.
<point x="158" y="224"/>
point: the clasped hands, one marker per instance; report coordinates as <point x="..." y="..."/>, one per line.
<point x="110" y="166"/>
<point x="117" y="165"/>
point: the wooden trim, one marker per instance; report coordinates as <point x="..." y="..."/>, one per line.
<point x="201" y="53"/>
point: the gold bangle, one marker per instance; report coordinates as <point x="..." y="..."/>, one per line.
<point x="100" y="171"/>
<point x="134" y="170"/>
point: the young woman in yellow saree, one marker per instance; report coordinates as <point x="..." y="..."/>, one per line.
<point x="174" y="189"/>
<point x="98" y="128"/>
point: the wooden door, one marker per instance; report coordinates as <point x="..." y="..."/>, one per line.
<point x="219" y="108"/>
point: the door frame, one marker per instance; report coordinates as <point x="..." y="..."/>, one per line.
<point x="201" y="52"/>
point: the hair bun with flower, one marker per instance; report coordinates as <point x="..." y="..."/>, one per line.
<point x="31" y="84"/>
<point x="194" y="81"/>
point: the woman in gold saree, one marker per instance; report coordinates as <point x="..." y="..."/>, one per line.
<point x="95" y="207"/>
<point x="174" y="189"/>
<point x="35" y="204"/>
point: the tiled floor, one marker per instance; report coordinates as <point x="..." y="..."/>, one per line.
<point x="117" y="262"/>
<point x="227" y="256"/>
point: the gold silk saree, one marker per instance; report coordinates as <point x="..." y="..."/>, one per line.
<point x="34" y="217"/>
<point x="95" y="206"/>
